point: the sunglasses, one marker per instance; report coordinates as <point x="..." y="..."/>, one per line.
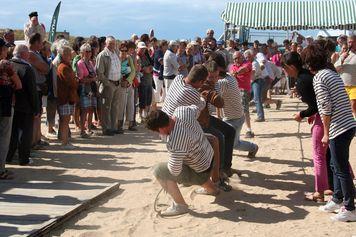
<point x="123" y="50"/>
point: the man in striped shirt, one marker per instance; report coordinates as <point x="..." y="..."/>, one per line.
<point x="339" y="130"/>
<point x="183" y="91"/>
<point x="191" y="155"/>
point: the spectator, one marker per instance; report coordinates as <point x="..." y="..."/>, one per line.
<point x="67" y="94"/>
<point x="9" y="37"/>
<point x="159" y="91"/>
<point x="41" y="69"/>
<point x="86" y="75"/>
<point x="51" y="82"/>
<point x="221" y="50"/>
<point x="128" y="73"/>
<point x="286" y="44"/>
<point x="108" y="67"/>
<point x="26" y="107"/>
<point x="8" y="82"/>
<point x="242" y="71"/>
<point x="33" y="27"/>
<point x="182" y="59"/>
<point x="145" y="87"/>
<point x="170" y="64"/>
<point x="346" y="67"/>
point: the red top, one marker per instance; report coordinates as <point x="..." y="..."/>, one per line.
<point x="243" y="79"/>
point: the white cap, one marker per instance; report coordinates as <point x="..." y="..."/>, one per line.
<point x="172" y="43"/>
<point x="309" y="37"/>
<point x="141" y="45"/>
<point x="194" y="43"/>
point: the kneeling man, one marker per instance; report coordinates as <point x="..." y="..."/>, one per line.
<point x="191" y="155"/>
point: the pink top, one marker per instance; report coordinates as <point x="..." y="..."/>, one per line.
<point x="83" y="69"/>
<point x="243" y="79"/>
<point x="276" y="59"/>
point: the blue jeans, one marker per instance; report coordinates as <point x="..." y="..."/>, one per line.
<point x="257" y="88"/>
<point x="343" y="184"/>
<point x="240" y="144"/>
<point x="226" y="134"/>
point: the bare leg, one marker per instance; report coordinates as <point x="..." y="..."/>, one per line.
<point x="64" y="128"/>
<point x="90" y="118"/>
<point x="353" y="105"/>
<point x="83" y="119"/>
<point x="248" y="121"/>
<point x="172" y="189"/>
<point x="209" y="186"/>
<point x="77" y="116"/>
<point x="215" y="172"/>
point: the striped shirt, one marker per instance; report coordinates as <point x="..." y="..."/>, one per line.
<point x="229" y="90"/>
<point x="187" y="143"/>
<point x="333" y="101"/>
<point x="181" y="94"/>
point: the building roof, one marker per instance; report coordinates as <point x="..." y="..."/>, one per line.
<point x="292" y="15"/>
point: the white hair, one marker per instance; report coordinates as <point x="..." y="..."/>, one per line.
<point x="109" y="39"/>
<point x="59" y="44"/>
<point x="64" y="49"/>
<point x="85" y="48"/>
<point x="19" y="49"/>
<point x="248" y="52"/>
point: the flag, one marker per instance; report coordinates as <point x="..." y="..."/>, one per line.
<point x="53" y="29"/>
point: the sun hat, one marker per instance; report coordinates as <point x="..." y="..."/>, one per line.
<point x="141" y="45"/>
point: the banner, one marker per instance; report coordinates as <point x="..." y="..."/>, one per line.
<point x="53" y="29"/>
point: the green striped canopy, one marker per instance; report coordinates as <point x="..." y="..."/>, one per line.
<point x="292" y="15"/>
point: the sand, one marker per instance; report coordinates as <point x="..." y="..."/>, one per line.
<point x="266" y="201"/>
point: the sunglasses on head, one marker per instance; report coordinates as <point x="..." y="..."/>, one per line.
<point x="123" y="50"/>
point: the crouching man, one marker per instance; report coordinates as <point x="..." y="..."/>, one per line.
<point x="190" y="155"/>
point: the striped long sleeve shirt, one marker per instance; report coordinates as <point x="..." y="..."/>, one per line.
<point x="230" y="92"/>
<point x="333" y="101"/>
<point x="187" y="143"/>
<point x="181" y="94"/>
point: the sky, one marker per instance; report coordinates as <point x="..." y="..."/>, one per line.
<point x="171" y="19"/>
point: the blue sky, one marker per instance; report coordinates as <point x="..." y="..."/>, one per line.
<point x="171" y="19"/>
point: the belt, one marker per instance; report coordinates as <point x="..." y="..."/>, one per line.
<point x="116" y="83"/>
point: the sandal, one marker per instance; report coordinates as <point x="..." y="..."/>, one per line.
<point x="315" y="197"/>
<point x="203" y="191"/>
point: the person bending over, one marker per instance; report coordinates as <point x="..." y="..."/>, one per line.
<point x="190" y="155"/>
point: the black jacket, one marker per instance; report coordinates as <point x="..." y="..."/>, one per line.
<point x="26" y="99"/>
<point x="306" y="90"/>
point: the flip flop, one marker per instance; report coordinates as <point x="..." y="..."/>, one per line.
<point x="314" y="198"/>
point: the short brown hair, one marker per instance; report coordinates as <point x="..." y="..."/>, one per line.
<point x="315" y="57"/>
<point x="198" y="73"/>
<point x="156" y="120"/>
<point x="36" y="37"/>
<point x="211" y="66"/>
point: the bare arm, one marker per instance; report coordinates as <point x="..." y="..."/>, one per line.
<point x="40" y="65"/>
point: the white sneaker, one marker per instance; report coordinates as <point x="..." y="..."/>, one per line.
<point x="344" y="215"/>
<point x="175" y="210"/>
<point x="330" y="206"/>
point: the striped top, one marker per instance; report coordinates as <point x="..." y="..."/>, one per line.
<point x="333" y="101"/>
<point x="181" y="94"/>
<point x="187" y="143"/>
<point x="229" y="90"/>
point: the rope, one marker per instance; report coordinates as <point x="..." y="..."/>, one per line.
<point x="301" y="144"/>
<point x="155" y="204"/>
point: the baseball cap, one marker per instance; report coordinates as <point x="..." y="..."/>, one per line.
<point x="141" y="45"/>
<point x="32" y="14"/>
<point x="173" y="42"/>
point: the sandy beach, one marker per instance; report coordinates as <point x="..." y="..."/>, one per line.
<point x="267" y="200"/>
